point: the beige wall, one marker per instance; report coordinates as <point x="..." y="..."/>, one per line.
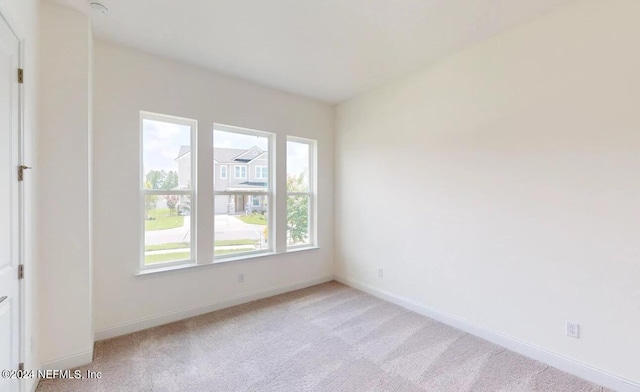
<point x="64" y="193"/>
<point x="525" y="153"/>
<point x="127" y="81"/>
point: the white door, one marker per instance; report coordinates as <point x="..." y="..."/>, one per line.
<point x="9" y="205"/>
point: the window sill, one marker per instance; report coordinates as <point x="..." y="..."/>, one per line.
<point x="179" y="267"/>
<point x="188" y="266"/>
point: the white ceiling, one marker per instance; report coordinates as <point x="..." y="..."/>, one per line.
<point x="329" y="50"/>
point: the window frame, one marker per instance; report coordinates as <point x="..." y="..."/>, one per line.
<point x="193" y="124"/>
<point x="235" y="176"/>
<point x="226" y="172"/>
<point x="202" y="229"/>
<point x="269" y="193"/>
<point x="253" y="201"/>
<point x="311" y="193"/>
<point x="258" y="169"/>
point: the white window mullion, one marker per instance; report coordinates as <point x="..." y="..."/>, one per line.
<point x="205" y="171"/>
<point x="313" y="193"/>
<point x="279" y="178"/>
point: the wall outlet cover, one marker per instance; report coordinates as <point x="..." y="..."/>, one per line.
<point x="573" y="329"/>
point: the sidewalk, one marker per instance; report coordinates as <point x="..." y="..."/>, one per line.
<point x="180" y="250"/>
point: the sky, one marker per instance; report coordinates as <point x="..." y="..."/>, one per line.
<point x="297" y="159"/>
<point x="237" y="140"/>
<point x="162" y="141"/>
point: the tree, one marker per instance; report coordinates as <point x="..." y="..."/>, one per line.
<point x="172" y="201"/>
<point x="149" y="201"/>
<point x="160" y="179"/>
<point x="297" y="210"/>
<point x="170" y="181"/>
<point x="156" y="179"/>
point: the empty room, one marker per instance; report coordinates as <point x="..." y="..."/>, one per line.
<point x="320" y="195"/>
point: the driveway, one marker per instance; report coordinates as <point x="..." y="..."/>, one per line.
<point x="179" y="234"/>
<point x="227" y="227"/>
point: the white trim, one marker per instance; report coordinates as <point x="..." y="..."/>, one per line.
<point x="226" y="172"/>
<point x="70" y="361"/>
<point x="258" y="169"/>
<point x="235" y="174"/>
<point x="558" y="361"/>
<point x="161" y="319"/>
<point x="34" y="384"/>
<point x="14" y="26"/>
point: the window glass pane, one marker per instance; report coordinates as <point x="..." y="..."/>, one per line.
<point x="298" y="157"/>
<point x="262" y="172"/>
<point x="243" y="153"/>
<point x="298" y="220"/>
<point x="240" y="223"/>
<point x="167" y="228"/>
<point x="166" y="155"/>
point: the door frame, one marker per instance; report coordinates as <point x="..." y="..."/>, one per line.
<point x="22" y="321"/>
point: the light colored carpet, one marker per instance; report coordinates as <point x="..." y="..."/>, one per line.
<point x="324" y="338"/>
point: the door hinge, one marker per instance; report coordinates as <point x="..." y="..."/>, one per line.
<point x="21" y="271"/>
<point x="20" y="75"/>
<point x="21" y="170"/>
<point x="21" y="366"/>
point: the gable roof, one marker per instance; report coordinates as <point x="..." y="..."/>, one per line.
<point x="183" y="151"/>
<point x="249" y="155"/>
<point x="225" y="155"/>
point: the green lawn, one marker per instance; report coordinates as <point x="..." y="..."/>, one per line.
<point x="163" y="220"/>
<point x="170" y="245"/>
<point x="254" y="219"/>
<point x="159" y="258"/>
<point x="236" y="242"/>
<point x="186" y="245"/>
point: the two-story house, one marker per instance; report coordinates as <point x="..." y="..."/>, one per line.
<point x="234" y="170"/>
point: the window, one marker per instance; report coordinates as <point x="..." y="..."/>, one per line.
<point x="246" y="219"/>
<point x="242" y="206"/>
<point x="240" y="172"/>
<point x="167" y="186"/>
<point x="262" y="172"/>
<point x="300" y="192"/>
<point x="256" y="201"/>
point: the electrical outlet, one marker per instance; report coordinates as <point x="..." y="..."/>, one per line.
<point x="240" y="277"/>
<point x="573" y="330"/>
<point x="380" y="273"/>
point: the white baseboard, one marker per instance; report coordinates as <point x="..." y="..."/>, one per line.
<point x="34" y="384"/>
<point x="139" y="325"/>
<point x="69" y="362"/>
<point x="558" y="361"/>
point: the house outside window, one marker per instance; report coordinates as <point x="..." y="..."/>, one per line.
<point x="242" y="204"/>
<point x="240" y="172"/>
<point x="223" y="172"/>
<point x="262" y="172"/>
<point x="256" y="201"/>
